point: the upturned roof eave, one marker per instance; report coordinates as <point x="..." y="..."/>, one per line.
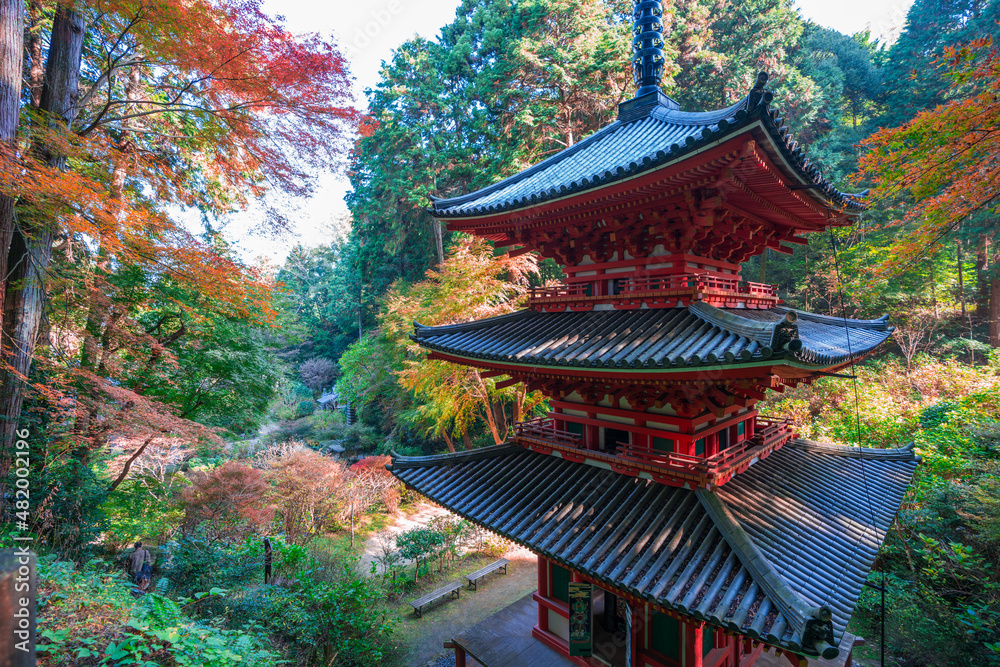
<point x="802" y="368"/>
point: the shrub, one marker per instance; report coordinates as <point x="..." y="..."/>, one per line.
<point x="88" y="617"/>
<point x="305" y="408"/>
<point x="346" y="623"/>
<point x="359" y="437"/>
<point x="195" y="562"/>
<point x="307" y="489"/>
<point x="330" y="615"/>
<point x="227" y="502"/>
<point x="418" y="545"/>
<point x="453" y="533"/>
<point x="162" y="623"/>
<point x="390" y="499"/>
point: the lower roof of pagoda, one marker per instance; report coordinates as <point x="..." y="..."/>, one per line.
<point x="695" y="338"/>
<point x="796" y="532"/>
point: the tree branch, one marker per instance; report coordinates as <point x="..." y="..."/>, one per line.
<point x="128" y="464"/>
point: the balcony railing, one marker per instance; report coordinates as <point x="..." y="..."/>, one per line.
<point x="545" y="429"/>
<point x="769" y="431"/>
<point x="559" y="292"/>
<point x="692" y="285"/>
<point x="712" y="470"/>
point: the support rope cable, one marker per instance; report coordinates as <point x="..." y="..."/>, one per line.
<point x="857" y="426"/>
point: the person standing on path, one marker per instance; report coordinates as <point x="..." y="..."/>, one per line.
<point x="137" y="561"/>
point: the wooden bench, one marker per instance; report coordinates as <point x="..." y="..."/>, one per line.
<point x="454" y="588"/>
<point x="492" y="567"/>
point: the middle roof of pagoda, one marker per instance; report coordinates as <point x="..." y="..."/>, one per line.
<point x="691" y="338"/>
<point x="649" y="136"/>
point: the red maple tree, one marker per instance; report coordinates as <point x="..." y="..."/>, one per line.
<point x="137" y="110"/>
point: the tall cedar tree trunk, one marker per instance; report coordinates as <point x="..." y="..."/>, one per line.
<point x="12" y="39"/>
<point x="982" y="284"/>
<point x="36" y="75"/>
<point x="995" y="312"/>
<point x="11" y="64"/>
<point x="961" y="278"/>
<point x="31" y="243"/>
<point x="438" y="240"/>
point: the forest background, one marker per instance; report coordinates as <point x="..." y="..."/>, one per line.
<point x="161" y="378"/>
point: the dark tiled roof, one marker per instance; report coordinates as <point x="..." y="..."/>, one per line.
<point x="757" y="558"/>
<point x="676" y="338"/>
<point x="807" y="510"/>
<point x="647" y="135"/>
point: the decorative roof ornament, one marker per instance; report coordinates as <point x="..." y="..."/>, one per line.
<point x="647" y="46"/>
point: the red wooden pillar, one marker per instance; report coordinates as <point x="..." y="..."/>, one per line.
<point x="638" y="629"/>
<point x="692" y="644"/>
<point x="712" y="444"/>
<point x="543" y="591"/>
<point x="459" y="656"/>
<point x="749" y="428"/>
<point x="600" y="285"/>
<point x="560" y="424"/>
<point x="593" y="437"/>
<point x="641" y="440"/>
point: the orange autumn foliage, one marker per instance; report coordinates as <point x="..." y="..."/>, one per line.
<point x="204" y="105"/>
<point x="944" y="164"/>
<point x="227" y="502"/>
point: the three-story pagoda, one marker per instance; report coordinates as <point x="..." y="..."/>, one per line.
<point x="709" y="535"/>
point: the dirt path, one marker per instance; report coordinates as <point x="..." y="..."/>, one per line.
<point x="418" y="641"/>
<point x="418" y="518"/>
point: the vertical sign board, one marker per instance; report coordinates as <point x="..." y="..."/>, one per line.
<point x="628" y="634"/>
<point x="581" y="630"/>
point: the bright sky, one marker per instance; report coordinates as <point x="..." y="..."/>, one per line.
<point x="369" y="30"/>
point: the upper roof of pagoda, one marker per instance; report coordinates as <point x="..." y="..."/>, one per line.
<point x="743" y="155"/>
<point x="795" y="533"/>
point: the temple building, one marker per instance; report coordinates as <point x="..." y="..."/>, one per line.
<point x="674" y="526"/>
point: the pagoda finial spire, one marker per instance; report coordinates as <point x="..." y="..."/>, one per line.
<point x="647" y="46"/>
